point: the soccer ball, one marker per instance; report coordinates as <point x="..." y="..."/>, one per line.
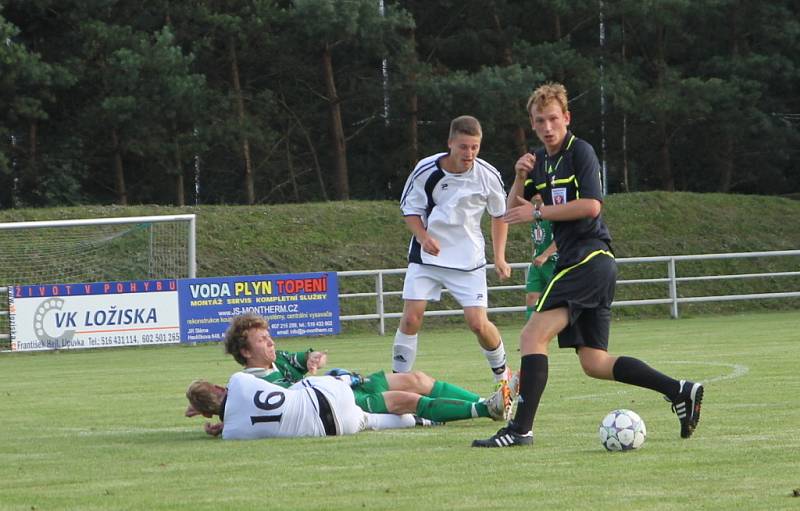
<point x="622" y="430"/>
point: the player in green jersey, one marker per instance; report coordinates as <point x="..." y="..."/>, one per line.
<point x="249" y="342"/>
<point x="543" y="264"/>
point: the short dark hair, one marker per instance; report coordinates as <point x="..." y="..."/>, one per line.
<point x="466" y="125"/>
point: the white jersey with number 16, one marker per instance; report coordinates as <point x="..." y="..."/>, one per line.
<point x="256" y="408"/>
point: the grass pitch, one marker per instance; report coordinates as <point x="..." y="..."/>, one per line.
<point x="104" y="429"/>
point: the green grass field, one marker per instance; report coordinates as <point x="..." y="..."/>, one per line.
<point x="104" y="429"/>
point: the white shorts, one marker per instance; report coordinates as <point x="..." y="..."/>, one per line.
<point x="424" y="282"/>
<point x="349" y="417"/>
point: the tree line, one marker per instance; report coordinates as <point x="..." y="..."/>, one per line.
<point x="270" y="101"/>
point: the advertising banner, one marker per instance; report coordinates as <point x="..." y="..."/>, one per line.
<point x="67" y="316"/>
<point x="295" y="304"/>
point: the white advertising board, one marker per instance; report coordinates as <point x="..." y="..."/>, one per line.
<point x="104" y="314"/>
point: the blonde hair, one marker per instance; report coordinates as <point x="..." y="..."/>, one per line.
<point x="546" y="94"/>
<point x="466" y="125"/>
<point x="236" y="335"/>
<point x="203" y="398"/>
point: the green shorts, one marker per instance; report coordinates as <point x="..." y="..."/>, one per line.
<point x="539" y="276"/>
<point x="369" y="395"/>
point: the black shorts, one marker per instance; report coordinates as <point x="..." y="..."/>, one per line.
<point x="587" y="290"/>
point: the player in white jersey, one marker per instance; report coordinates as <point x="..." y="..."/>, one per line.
<point x="390" y="399"/>
<point x="253" y="408"/>
<point x="443" y="202"/>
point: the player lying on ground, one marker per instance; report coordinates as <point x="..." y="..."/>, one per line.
<point x="252" y="408"/>
<point x="391" y="397"/>
<point x="249" y="342"/>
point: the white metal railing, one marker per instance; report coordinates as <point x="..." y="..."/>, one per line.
<point x="671" y="279"/>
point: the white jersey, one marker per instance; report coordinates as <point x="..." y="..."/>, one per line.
<point x="255" y="408"/>
<point x="451" y="206"/>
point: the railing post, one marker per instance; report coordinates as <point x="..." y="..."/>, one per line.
<point x="673" y="287"/>
<point x="379" y="304"/>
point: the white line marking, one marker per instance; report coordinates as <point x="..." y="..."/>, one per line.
<point x="738" y="370"/>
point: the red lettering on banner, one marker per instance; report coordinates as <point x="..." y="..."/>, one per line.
<point x="133" y="287"/>
<point x="295" y="286"/>
<point x="87" y="288"/>
<point x="158" y="285"/>
<point x="106" y="287"/>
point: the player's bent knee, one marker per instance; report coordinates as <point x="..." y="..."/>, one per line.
<point x="422" y="383"/>
<point x="416" y="382"/>
<point x="410" y="324"/>
<point x="480" y="326"/>
<point x="596" y="370"/>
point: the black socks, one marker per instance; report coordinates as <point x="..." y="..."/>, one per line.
<point x="533" y="379"/>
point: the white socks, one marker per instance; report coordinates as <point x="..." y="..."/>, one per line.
<point x="378" y="421"/>
<point x="404" y="352"/>
<point x="497" y="360"/>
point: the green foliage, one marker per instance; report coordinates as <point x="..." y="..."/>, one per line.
<point x="683" y="105"/>
<point x="26" y="90"/>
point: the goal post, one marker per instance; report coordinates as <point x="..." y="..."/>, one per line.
<point x="94" y="250"/>
<point x="98" y="249"/>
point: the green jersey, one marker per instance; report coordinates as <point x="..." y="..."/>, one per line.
<point x="542" y="237"/>
<point x="288" y="368"/>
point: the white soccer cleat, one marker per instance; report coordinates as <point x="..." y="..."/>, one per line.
<point x="499" y="403"/>
<point x="513" y="388"/>
<point x="513" y="384"/>
<point x="506" y="375"/>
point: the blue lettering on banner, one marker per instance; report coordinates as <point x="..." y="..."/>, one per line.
<point x="294" y="304"/>
<point x="114" y="317"/>
<point x="64" y="320"/>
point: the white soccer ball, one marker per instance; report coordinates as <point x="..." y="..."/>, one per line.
<point x="622" y="430"/>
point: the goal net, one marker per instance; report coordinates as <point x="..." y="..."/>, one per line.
<point x="97" y="250"/>
<point x="93" y="250"/>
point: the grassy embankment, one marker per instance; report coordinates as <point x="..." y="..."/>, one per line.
<point x="357" y="235"/>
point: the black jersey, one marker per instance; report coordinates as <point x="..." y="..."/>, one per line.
<point x="573" y="173"/>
